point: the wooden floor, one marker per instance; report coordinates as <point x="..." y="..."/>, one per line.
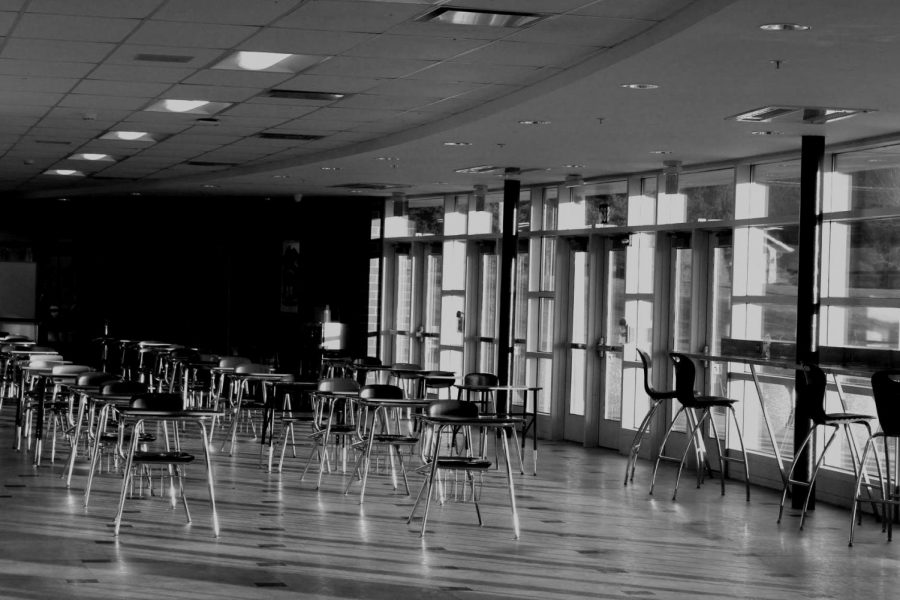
<point x="584" y="535"/>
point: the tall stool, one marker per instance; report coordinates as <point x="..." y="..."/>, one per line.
<point x="691" y="403"/>
<point x="886" y="392"/>
<point x="811" y="383"/>
<point x="657" y="398"/>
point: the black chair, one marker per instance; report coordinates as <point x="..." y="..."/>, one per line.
<point x="173" y="459"/>
<point x="485" y="399"/>
<point x="657" y="398"/>
<point x="811" y="384"/>
<point x="362" y="366"/>
<point x="886" y="392"/>
<point x="691" y="404"/>
<point x="334" y="421"/>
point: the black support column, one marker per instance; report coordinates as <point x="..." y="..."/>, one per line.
<point x="811" y="168"/>
<point x="508" y="247"/>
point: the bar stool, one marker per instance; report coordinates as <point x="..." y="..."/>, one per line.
<point x="886" y="392"/>
<point x="811" y="384"/>
<point x="657" y="398"/>
<point x="685" y="373"/>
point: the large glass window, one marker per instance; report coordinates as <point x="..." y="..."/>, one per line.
<point x="701" y="197"/>
<point x="595" y="205"/>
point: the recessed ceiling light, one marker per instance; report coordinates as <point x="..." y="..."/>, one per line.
<point x="331" y="168"/>
<point x="457" y="143"/>
<point x="92" y="156"/>
<point x="767" y="132"/>
<point x="210" y="186"/>
<point x="194" y="107"/>
<point x="135" y="193"/>
<point x="129" y="136"/>
<point x="388" y="158"/>
<point x="480" y="169"/>
<point x="484" y="18"/>
<point x="640" y="86"/>
<point x="281" y="176"/>
<point x="660" y="152"/>
<point x="64" y="172"/>
<point x="534" y="122"/>
<point x="784" y="27"/>
<point x="574" y="166"/>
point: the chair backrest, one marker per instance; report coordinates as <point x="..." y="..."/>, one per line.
<point x="70" y="369"/>
<point x="653" y="393"/>
<point x="166" y="401"/>
<point x="480" y="379"/>
<point x="810" y="389"/>
<point x="252" y="368"/>
<point x="405" y="370"/>
<point x="95" y="378"/>
<point x="453" y="408"/>
<point x="685" y="373"/>
<point x="338" y="384"/>
<point x="231" y="362"/>
<point x="886" y="391"/>
<point x="381" y="390"/>
<point x="365" y="361"/>
<point x="122" y="388"/>
<point x="44" y="363"/>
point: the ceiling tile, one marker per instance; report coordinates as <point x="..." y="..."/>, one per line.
<point x="238" y="12"/>
<point x="350" y="115"/>
<point x="199" y="35"/>
<point x="34" y="68"/>
<point x="531" y="6"/>
<point x="304" y="41"/>
<point x="121" y="88"/>
<point x="434" y="29"/>
<point x="211" y="93"/>
<point x="197" y="57"/>
<point x="6" y="21"/>
<point x="36" y="84"/>
<point x="351" y="66"/>
<point x="350" y="16"/>
<point x="480" y="73"/>
<point x="28" y="49"/>
<point x="139" y="73"/>
<point x="8" y="97"/>
<point x="422" y="88"/>
<point x="64" y="113"/>
<point x="99" y="102"/>
<point x="135" y="9"/>
<point x="527" y="54"/>
<point x="381" y="101"/>
<point x="426" y="48"/>
<point x="271" y="111"/>
<point x="329" y="83"/>
<point x="255" y="79"/>
<point x="588" y="31"/>
<point x="79" y="29"/>
<point x="633" y="9"/>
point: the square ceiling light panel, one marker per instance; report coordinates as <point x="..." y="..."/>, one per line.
<point x="272" y="62"/>
<point x="483" y="18"/>
<point x="193" y="107"/>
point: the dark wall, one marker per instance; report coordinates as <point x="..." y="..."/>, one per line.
<point x="199" y="271"/>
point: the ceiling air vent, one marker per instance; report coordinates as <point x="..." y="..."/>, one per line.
<point x="298" y="137"/>
<point x="814" y="115"/>
<point x="304" y="95"/>
<point x="164" y="58"/>
<point x="53" y="142"/>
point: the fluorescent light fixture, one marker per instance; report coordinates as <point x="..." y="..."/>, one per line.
<point x="330" y="168"/>
<point x="660" y="152"/>
<point x="64" y="172"/>
<point x="478" y="170"/>
<point x="784" y="27"/>
<point x="92" y="156"/>
<point x="272" y="62"/>
<point x="529" y="122"/>
<point x="195" y="107"/>
<point x="457" y="143"/>
<point x="484" y="18"/>
<point x="640" y="86"/>
<point x="129" y="136"/>
<point x="767" y="132"/>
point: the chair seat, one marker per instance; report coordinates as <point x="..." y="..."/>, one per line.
<point x="463" y="462"/>
<point x="395" y="438"/>
<point x="709" y="401"/>
<point x="838" y="418"/>
<point x="163" y="457"/>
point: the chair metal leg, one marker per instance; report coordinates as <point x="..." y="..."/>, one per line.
<point x="790" y="474"/>
<point x="687" y="447"/>
<point x="660" y="456"/>
<point x="815" y="472"/>
<point x="636" y="442"/>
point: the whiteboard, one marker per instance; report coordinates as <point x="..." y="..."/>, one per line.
<point x="18" y="284"/>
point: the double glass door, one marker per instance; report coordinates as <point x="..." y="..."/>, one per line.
<point x="597" y="332"/>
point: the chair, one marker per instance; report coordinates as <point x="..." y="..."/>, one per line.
<point x="485" y="399"/>
<point x="408" y="377"/>
<point x="334" y="421"/>
<point x="657" y="398"/>
<point x="886" y="392"/>
<point x="440" y="464"/>
<point x="171" y="458"/>
<point x="244" y="403"/>
<point x="436" y="381"/>
<point x="691" y="403"/>
<point x="361" y="368"/>
<point x="394" y="431"/>
<point x="811" y="384"/>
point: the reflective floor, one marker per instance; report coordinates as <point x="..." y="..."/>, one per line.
<point x="584" y="535"/>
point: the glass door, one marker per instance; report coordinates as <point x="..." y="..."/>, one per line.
<point x="597" y="332"/>
<point x="414" y="311"/>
